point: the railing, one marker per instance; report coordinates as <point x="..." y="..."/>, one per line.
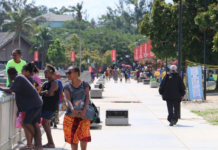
<point x="9" y="135"/>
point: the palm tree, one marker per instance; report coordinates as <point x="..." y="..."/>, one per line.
<point x="78" y="10"/>
<point x="140" y="8"/>
<point x="19" y="23"/>
<point x="4" y="8"/>
<point x="42" y="39"/>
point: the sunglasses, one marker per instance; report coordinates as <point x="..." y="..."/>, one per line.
<point x="68" y="73"/>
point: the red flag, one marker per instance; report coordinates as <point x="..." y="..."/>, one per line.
<point x="36" y="56"/>
<point x="136" y="54"/>
<point x="114" y="55"/>
<point x="72" y="56"/>
<point x="150" y="53"/>
<point x="145" y="49"/>
<point x="140" y="53"/>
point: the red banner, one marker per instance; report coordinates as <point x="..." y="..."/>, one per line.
<point x="136" y="54"/>
<point x="114" y="55"/>
<point x="36" y="56"/>
<point x="72" y="56"/>
<point x="141" y="56"/>
<point x="145" y="49"/>
<point x="150" y="53"/>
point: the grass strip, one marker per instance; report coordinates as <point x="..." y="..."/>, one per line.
<point x="211" y="115"/>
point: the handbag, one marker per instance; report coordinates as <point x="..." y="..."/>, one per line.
<point x="79" y="101"/>
<point x="18" y="122"/>
<point x="96" y="118"/>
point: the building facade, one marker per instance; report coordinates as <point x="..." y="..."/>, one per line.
<point x="7" y="45"/>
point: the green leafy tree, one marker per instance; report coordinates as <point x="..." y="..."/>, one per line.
<point x="56" y="53"/>
<point x="74" y="24"/>
<point x="42" y="39"/>
<point x="19" y="23"/>
<point x="140" y="8"/>
<point x="162" y="28"/>
<point x="78" y="10"/>
<point x="5" y="7"/>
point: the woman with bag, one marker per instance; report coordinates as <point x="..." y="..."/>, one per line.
<point x="79" y="112"/>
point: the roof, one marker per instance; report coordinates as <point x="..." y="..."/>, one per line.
<point x="5" y="38"/>
<point x="54" y="17"/>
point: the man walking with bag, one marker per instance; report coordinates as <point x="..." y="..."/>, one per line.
<point x="172" y="90"/>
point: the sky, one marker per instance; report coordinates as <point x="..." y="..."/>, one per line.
<point x="95" y="8"/>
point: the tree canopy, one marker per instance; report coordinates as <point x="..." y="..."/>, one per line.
<point x="162" y="28"/>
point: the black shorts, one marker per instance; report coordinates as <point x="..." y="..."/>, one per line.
<point x="33" y="115"/>
<point x="137" y="77"/>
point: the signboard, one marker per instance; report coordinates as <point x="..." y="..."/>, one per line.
<point x="72" y="56"/>
<point x="36" y="56"/>
<point x="141" y="56"/>
<point x="136" y="58"/>
<point x="195" y="83"/>
<point x="113" y="55"/>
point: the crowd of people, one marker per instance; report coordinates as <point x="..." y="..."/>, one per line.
<point x="38" y="103"/>
<point x="117" y="73"/>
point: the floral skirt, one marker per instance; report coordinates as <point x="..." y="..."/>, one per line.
<point x="76" y="129"/>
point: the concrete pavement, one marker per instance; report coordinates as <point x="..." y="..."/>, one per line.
<point x="148" y="128"/>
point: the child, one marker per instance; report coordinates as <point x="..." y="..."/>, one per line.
<point x="121" y="77"/>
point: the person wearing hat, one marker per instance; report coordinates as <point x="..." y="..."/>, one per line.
<point x="50" y="96"/>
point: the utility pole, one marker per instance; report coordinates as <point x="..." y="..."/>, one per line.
<point x="179" y="45"/>
<point x="205" y="49"/>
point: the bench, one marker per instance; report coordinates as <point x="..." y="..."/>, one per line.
<point x="140" y="80"/>
<point x="154" y="84"/>
<point x="146" y="81"/>
<point x="100" y="82"/>
<point x="96" y="93"/>
<point x="117" y="117"/>
<point x="97" y="85"/>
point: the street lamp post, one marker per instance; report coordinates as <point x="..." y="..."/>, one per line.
<point x="205" y="48"/>
<point x="179" y="45"/>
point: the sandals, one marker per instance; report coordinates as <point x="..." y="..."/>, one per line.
<point x="26" y="147"/>
<point x="48" y="146"/>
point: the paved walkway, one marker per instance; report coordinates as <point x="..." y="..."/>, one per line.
<point x="148" y="129"/>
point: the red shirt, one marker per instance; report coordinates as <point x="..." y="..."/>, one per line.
<point x="137" y="73"/>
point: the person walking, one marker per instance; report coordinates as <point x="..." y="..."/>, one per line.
<point x="50" y="97"/>
<point x="93" y="72"/>
<point x="137" y="75"/>
<point x="16" y="62"/>
<point x="28" y="101"/>
<point x="115" y="75"/>
<point x="106" y="75"/>
<point x="172" y="90"/>
<point x="76" y="129"/>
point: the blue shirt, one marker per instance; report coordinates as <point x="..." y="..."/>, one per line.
<point x="60" y="88"/>
<point x="212" y="79"/>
